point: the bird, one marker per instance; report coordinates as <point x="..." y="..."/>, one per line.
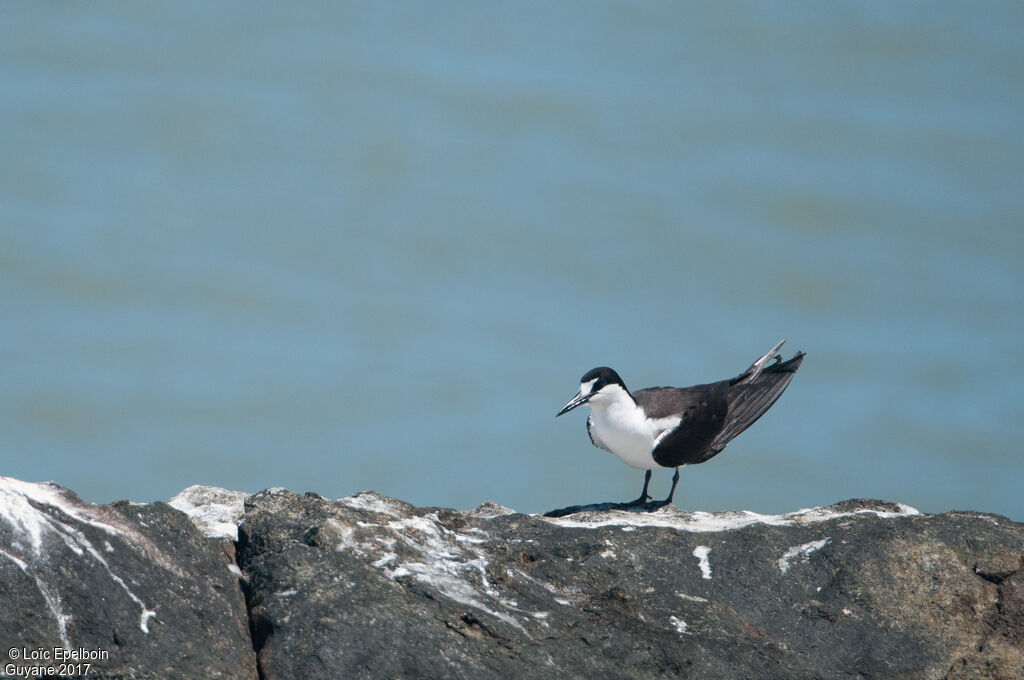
<point x="670" y="427"/>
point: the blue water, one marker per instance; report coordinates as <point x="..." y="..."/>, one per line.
<point x="375" y="246"/>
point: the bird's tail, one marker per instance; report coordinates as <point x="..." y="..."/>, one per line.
<point x="752" y="373"/>
<point x="754" y="391"/>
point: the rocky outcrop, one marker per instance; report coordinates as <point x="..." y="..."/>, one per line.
<point x="372" y="587"/>
<point x="114" y="591"/>
<point x="368" y="586"/>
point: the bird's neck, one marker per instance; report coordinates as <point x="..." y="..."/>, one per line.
<point x="613" y="399"/>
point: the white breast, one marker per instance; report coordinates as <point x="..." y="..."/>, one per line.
<point x="619" y="426"/>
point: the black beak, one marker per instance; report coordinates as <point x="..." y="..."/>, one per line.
<point x="578" y="400"/>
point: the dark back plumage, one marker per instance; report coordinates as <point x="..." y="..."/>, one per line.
<point x="714" y="414"/>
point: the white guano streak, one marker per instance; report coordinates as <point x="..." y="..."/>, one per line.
<point x="802" y="551"/>
<point x="701" y="552"/>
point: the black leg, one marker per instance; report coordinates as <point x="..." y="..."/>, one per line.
<point x="672" y="491"/>
<point x="643" y="494"/>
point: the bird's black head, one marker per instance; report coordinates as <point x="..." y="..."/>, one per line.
<point x="602" y="375"/>
<point x="592" y="382"/>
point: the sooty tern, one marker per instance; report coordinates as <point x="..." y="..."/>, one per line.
<point x="672" y="426"/>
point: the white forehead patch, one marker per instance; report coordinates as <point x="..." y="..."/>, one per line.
<point x="586" y="387"/>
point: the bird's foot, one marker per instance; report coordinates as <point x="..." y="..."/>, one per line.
<point x="639" y="501"/>
<point x="644" y="503"/>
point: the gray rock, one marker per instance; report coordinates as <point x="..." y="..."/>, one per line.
<point x="371" y="587"/>
<point x="136" y="585"/>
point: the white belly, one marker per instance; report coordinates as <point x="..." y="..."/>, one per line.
<point x="625" y="431"/>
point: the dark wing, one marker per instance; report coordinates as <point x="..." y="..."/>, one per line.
<point x="714" y="414"/>
<point x="750" y="401"/>
<point x="703" y="410"/>
<point x="665" y="402"/>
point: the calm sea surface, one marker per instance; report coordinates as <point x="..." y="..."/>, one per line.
<point x="375" y="245"/>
